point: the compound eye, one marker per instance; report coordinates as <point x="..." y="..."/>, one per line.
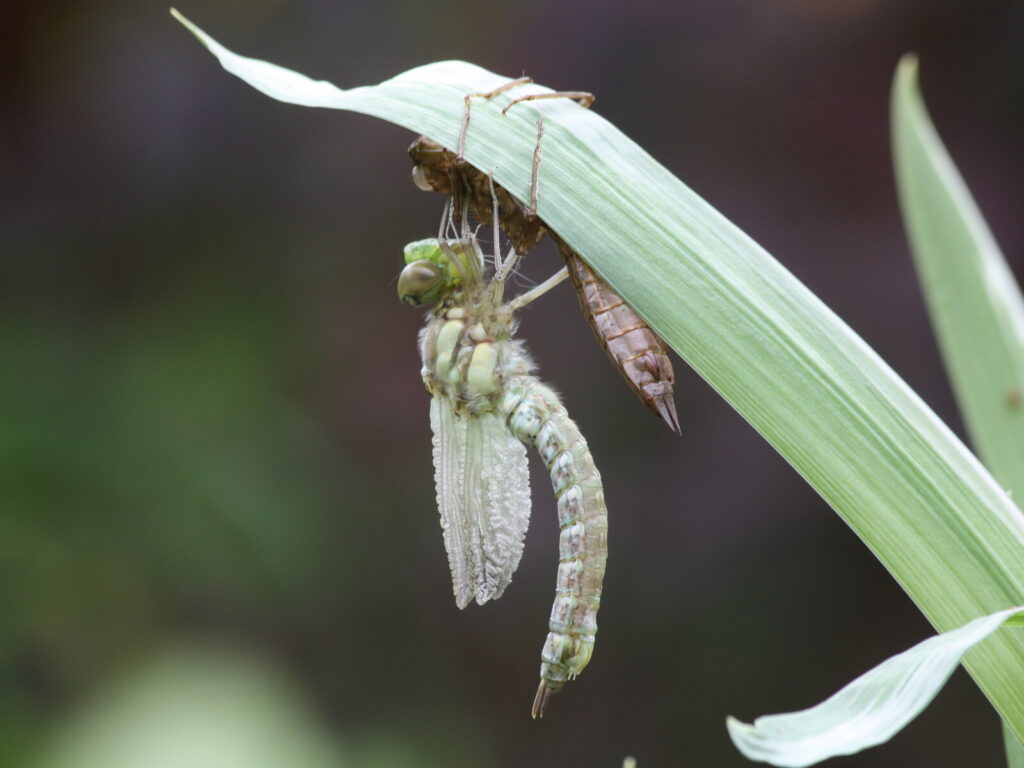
<point x="420" y="283"/>
<point x="419" y="178"/>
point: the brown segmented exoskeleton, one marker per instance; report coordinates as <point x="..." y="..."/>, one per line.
<point x="639" y="354"/>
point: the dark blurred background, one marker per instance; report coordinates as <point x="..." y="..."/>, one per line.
<point x="217" y="524"/>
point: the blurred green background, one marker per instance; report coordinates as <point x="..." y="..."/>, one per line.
<point x="218" y="539"/>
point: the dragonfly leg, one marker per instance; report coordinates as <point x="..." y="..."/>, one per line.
<point x="502" y="268"/>
<point x="468" y="100"/>
<point x="583" y="98"/>
<point x="446" y="218"/>
<point x="538" y="290"/>
<point x="460" y="194"/>
<point x="464" y="219"/>
<point x="531" y="213"/>
<point x="499" y="265"/>
<point x="507" y="265"/>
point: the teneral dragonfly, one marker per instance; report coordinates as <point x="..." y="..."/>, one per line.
<point x="637" y="352"/>
<point x="486" y="405"/>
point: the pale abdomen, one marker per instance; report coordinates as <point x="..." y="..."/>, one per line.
<point x="536" y="416"/>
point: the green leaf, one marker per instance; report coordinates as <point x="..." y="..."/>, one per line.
<point x="867" y="711"/>
<point x="974" y="303"/>
<point x="1014" y="749"/>
<point x="874" y="451"/>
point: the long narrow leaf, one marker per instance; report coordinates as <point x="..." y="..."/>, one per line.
<point x="916" y="496"/>
<point x="1014" y="749"/>
<point x="974" y="303"/>
<point x="867" y="711"/>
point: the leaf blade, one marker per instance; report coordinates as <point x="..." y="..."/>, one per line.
<point x="973" y="300"/>
<point x="974" y="303"/>
<point x="869" y="710"/>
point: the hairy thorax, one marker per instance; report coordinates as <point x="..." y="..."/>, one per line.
<point x="469" y="355"/>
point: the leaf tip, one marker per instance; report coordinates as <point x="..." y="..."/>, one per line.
<point x="737" y="729"/>
<point x="906" y="78"/>
<point x="908" y="66"/>
<point x="905" y="99"/>
<point x="189" y="26"/>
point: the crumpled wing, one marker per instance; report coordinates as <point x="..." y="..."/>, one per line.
<point x="483" y="494"/>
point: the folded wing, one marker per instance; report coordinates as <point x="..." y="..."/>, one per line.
<point x="483" y="494"/>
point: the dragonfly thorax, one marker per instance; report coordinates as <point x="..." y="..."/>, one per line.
<point x="469" y="356"/>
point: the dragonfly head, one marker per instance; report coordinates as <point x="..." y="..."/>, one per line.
<point x="421" y="282"/>
<point x="427" y="276"/>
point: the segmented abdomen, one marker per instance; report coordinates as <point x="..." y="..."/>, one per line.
<point x="536" y="416"/>
<point x="633" y="346"/>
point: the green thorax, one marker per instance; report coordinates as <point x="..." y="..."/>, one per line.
<point x="466" y="346"/>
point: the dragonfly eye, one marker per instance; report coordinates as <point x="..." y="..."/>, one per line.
<point x="420" y="283"/>
<point x="419" y="178"/>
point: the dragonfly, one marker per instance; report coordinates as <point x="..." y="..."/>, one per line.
<point x="486" y="406"/>
<point x="637" y="352"/>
